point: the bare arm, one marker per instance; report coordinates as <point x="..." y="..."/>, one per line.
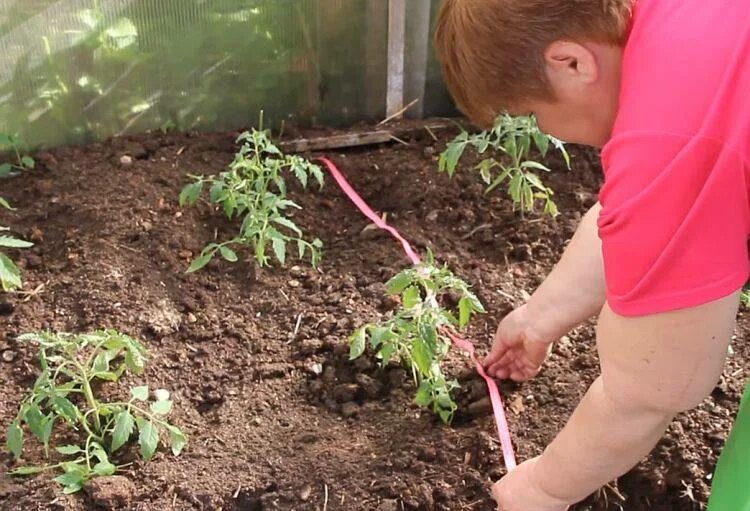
<point x="572" y="293"/>
<point x="653" y="367"/>
<point x="575" y="290"/>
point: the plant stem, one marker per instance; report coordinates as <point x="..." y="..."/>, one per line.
<point x="90" y="398"/>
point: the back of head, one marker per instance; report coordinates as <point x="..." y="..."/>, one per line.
<point x="492" y="51"/>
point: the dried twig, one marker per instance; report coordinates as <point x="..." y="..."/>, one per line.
<point x="399" y="113"/>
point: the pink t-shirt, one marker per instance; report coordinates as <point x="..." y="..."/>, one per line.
<point x="676" y="211"/>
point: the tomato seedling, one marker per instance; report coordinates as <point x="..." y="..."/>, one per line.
<point x="511" y="139"/>
<point x="22" y="162"/>
<point x="65" y="393"/>
<point x="254" y="185"/>
<point x="415" y="335"/>
<point x="10" y="275"/>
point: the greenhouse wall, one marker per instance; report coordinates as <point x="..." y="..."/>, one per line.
<point x="76" y="71"/>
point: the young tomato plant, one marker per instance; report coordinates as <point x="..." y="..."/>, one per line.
<point x="22" y="162"/>
<point x="10" y="275"/>
<point x="254" y="187"/>
<point x="415" y="334"/>
<point x="65" y="393"/>
<point x="511" y="140"/>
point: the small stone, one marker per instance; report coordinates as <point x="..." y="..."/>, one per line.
<point x="293" y="283"/>
<point x="429" y="151"/>
<point x="427" y="453"/>
<point x="126" y="160"/>
<point x="304" y="493"/>
<point x="297" y="272"/>
<point x="349" y="409"/>
<point x="432" y="215"/>
<point x="9" y="355"/>
<point x="112" y="492"/>
<point x="191" y="318"/>
<point x="185" y="254"/>
<point x="317" y="368"/>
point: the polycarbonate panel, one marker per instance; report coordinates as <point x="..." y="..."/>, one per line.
<point x="73" y="71"/>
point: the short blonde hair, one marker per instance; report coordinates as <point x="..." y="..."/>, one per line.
<point x="492" y="51"/>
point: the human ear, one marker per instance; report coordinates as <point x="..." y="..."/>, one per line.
<point x="566" y="60"/>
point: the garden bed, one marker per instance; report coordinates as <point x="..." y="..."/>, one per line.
<point x="257" y="361"/>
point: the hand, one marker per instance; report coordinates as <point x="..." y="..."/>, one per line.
<point x="518" y="491"/>
<point x="516" y="354"/>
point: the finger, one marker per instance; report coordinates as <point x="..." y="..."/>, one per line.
<point x="498" y="352"/>
<point x="497" y="371"/>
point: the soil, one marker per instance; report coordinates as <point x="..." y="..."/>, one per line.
<point x="278" y="417"/>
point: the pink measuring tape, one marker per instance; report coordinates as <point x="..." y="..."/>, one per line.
<point x="495" y="398"/>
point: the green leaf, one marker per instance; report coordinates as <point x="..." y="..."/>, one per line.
<point x="398" y="283"/>
<point x="68" y="450"/>
<point x="228" y="254"/>
<point x="421" y="356"/>
<point x="428" y="333"/>
<point x="279" y="248"/>
<point x="72" y="481"/>
<point x="148" y="439"/>
<point x="10" y="275"/>
<point x="190" y="194"/>
<point x="378" y="335"/>
<point x="28" y="162"/>
<point x="124" y="423"/>
<point x="10" y="242"/>
<point x="449" y="158"/>
<point x="104" y="468"/>
<point x="288" y="223"/>
<point x="14" y="439"/>
<point x="161" y="407"/>
<point x="106" y="375"/>
<point x="387" y="351"/>
<point x="411" y="297"/>
<point x="200" y="261"/>
<point x="357" y="342"/>
<point x="27" y="470"/>
<point x="464" y="312"/>
<point x="4" y="203"/>
<point x="47" y="424"/>
<point x="300" y="249"/>
<point x="65" y="408"/>
<point x="5" y="170"/>
<point x="424" y="396"/>
<point x="140" y="393"/>
<point x="216" y="191"/>
<point x="177" y="439"/>
<point x="35" y="420"/>
<point x="530" y="164"/>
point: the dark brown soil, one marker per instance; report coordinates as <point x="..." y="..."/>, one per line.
<point x="266" y="431"/>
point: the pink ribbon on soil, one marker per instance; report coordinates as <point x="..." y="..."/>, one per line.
<point x="503" y="432"/>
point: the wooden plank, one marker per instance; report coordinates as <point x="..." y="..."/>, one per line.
<point x="396" y="50"/>
<point x="336" y="141"/>
<point x="416" y="52"/>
